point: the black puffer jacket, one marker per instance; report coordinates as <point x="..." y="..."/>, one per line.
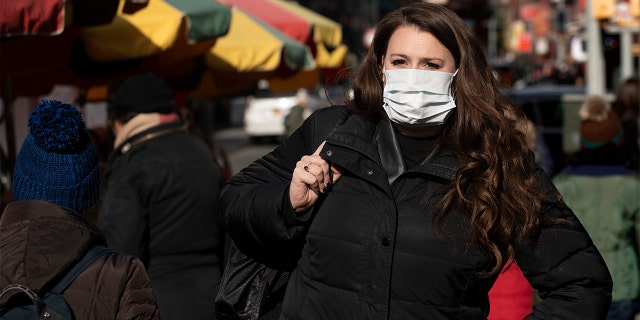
<point x="160" y="206"/>
<point x="370" y="250"/>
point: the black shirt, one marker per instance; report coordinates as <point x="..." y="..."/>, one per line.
<point x="416" y="149"/>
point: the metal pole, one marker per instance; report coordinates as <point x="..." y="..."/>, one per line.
<point x="625" y="53"/>
<point x="595" y="65"/>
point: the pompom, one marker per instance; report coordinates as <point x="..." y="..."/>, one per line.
<point x="57" y="127"/>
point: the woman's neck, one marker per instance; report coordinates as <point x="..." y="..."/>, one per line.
<point x="419" y="132"/>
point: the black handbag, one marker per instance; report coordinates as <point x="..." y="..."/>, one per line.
<point x="249" y="289"/>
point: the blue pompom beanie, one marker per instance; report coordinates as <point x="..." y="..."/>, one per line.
<point x="57" y="161"/>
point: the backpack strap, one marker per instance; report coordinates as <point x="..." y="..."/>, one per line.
<point x="88" y="259"/>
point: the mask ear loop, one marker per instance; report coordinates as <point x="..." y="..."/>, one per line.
<point x="453" y="92"/>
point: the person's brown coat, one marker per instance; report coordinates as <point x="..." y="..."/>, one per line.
<point x="40" y="241"/>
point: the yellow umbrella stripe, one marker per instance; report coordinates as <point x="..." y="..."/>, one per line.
<point x="246" y="47"/>
<point x="331" y="59"/>
<point x="160" y="23"/>
<point x="325" y="30"/>
<point x="250" y="46"/>
<point x="143" y="33"/>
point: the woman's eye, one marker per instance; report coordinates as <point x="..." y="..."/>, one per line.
<point x="398" y="62"/>
<point x="431" y="65"/>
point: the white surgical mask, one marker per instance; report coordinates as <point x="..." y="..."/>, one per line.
<point x="418" y="98"/>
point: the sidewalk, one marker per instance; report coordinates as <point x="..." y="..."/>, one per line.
<point x="230" y="138"/>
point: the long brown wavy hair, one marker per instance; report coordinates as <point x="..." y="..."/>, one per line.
<point x="495" y="186"/>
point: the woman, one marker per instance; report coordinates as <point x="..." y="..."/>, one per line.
<point x="420" y="192"/>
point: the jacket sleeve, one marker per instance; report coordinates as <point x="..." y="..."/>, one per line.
<point x="565" y="267"/>
<point x="122" y="217"/>
<point x="137" y="300"/>
<point x="254" y="204"/>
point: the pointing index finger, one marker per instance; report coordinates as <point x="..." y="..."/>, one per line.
<point x="317" y="152"/>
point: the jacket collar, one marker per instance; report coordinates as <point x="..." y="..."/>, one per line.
<point x="389" y="150"/>
<point x="145" y="135"/>
<point x="377" y="141"/>
<point x="31" y="209"/>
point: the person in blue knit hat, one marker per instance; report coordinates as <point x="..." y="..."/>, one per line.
<point x="57" y="162"/>
<point x="43" y="232"/>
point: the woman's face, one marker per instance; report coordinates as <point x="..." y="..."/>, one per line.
<point x="410" y="48"/>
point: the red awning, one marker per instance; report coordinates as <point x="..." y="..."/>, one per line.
<point x="50" y="17"/>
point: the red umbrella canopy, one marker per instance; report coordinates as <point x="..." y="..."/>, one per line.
<point x="21" y="18"/>
<point x="290" y="24"/>
<point x="49" y="17"/>
<point x="36" y="37"/>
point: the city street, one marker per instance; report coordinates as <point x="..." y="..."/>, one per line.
<point x="234" y="144"/>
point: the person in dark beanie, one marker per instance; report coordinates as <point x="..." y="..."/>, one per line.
<point x="43" y="231"/>
<point x="598" y="124"/>
<point x="161" y="197"/>
<point x="627" y="106"/>
<point x="603" y="189"/>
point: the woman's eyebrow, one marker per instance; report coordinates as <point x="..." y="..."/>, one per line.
<point x="404" y="56"/>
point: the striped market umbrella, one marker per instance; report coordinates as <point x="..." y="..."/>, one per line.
<point x="253" y="46"/>
<point x="237" y="68"/>
<point x="160" y="36"/>
<point x="323" y="35"/>
<point x="176" y="29"/>
<point x="165" y="37"/>
<point x="252" y="50"/>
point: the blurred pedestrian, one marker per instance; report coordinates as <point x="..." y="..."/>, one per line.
<point x="410" y="200"/>
<point x="534" y="141"/>
<point x="605" y="195"/>
<point x="627" y="107"/>
<point x="43" y="233"/>
<point x="298" y="113"/>
<point x="161" y="197"/>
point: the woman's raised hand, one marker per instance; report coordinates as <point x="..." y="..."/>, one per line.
<point x="311" y="177"/>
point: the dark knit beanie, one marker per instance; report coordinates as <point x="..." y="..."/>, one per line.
<point x="599" y="125"/>
<point x="144" y="93"/>
<point x="57" y="162"/>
